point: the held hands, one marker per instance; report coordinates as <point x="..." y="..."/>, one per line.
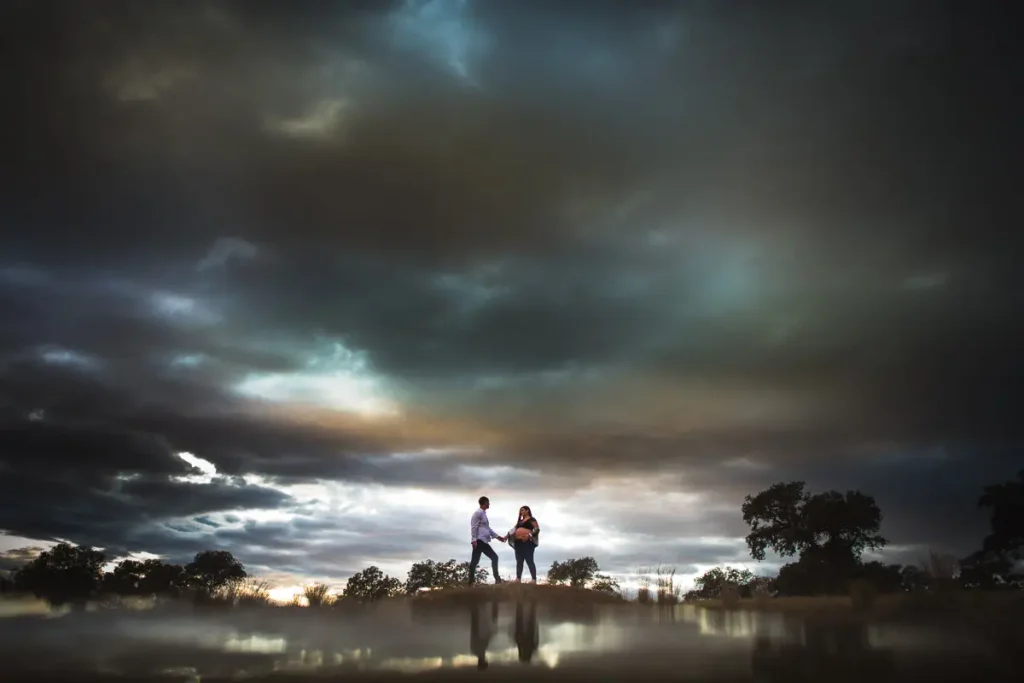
<point x="502" y="538"/>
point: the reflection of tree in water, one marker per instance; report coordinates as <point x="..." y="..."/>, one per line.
<point x="527" y="631"/>
<point x="832" y="652"/>
<point x="481" y="629"/>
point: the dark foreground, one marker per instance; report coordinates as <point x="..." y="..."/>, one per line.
<point x="494" y="641"/>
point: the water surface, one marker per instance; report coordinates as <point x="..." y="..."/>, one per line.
<point x="494" y="640"/>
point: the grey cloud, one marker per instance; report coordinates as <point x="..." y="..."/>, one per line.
<point x="96" y="486"/>
<point x="11" y="560"/>
<point x="206" y="521"/>
<point x="86" y="451"/>
<point x="652" y="196"/>
<point x="685" y="554"/>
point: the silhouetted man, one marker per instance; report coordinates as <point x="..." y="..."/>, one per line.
<point x="480" y="634"/>
<point x="481" y="534"/>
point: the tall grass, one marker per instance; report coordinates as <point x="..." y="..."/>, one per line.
<point x="668" y="592"/>
<point x="643" y="579"/>
<point x="250" y="592"/>
<point x="316" y="594"/>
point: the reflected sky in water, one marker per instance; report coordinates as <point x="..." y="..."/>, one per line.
<point x="402" y="637"/>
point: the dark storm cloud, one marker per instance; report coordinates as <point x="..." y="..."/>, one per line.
<point x="97" y="485"/>
<point x="516" y="209"/>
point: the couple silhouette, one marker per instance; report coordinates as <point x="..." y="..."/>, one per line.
<point x="484" y="624"/>
<point x="524" y="538"/>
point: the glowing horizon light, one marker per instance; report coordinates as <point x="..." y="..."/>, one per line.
<point x="336" y="390"/>
<point x="336" y="378"/>
<point x="284" y="594"/>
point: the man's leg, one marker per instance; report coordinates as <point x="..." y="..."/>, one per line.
<point x="474" y="560"/>
<point x="487" y="550"/>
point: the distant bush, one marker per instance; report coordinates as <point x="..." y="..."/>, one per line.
<point x="729" y="594"/>
<point x="372" y="584"/>
<point x="577" y="572"/>
<point x="606" y="584"/>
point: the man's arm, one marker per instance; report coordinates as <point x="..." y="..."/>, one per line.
<point x="474" y="526"/>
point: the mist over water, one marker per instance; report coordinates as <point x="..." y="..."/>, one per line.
<point x="179" y="642"/>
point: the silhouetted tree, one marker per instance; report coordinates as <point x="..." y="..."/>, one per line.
<point x="1002" y="551"/>
<point x="817" y="572"/>
<point x="64" y="573"/>
<point x="1006" y="503"/>
<point x="372" y="584"/>
<point x="828" y="531"/>
<point x="577" y="572"/>
<point x="145" y="577"/>
<point x="6" y="585"/>
<point x="435" y="575"/>
<point x="710" y="584"/>
<point x="212" y="570"/>
<point x="803" y="577"/>
<point x="605" y="584"/>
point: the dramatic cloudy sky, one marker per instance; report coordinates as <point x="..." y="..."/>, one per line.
<point x="302" y="280"/>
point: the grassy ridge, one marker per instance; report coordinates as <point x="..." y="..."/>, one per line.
<point x="510" y="592"/>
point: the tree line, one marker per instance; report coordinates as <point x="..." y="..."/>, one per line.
<point x="827" y="533"/>
<point x="69" y="574"/>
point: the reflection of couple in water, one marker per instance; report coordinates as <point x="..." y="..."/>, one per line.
<point x="484" y="624"/>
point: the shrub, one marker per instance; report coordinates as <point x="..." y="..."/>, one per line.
<point x="730" y="594"/>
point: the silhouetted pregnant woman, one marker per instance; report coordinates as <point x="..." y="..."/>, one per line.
<point x="525" y="537"/>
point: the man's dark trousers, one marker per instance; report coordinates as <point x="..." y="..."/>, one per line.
<point x="483" y="548"/>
